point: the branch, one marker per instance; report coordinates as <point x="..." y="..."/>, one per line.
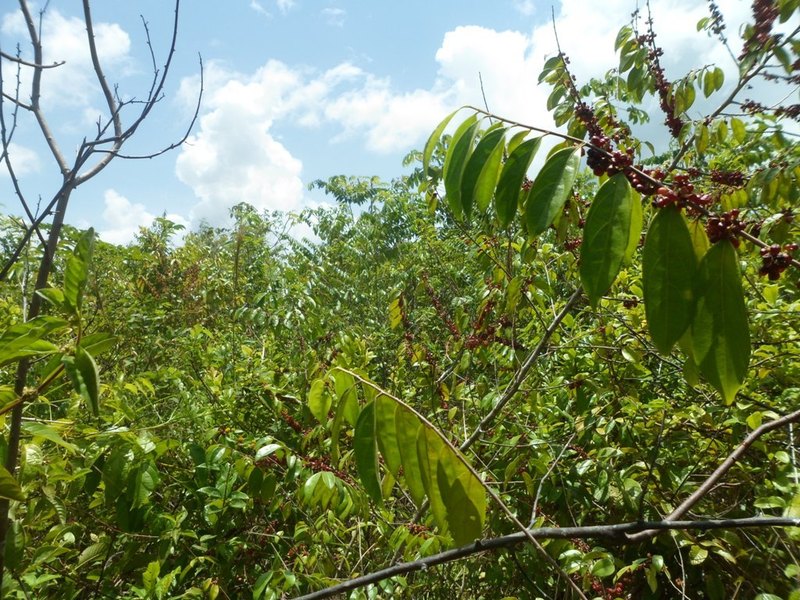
<point x="25" y="63"/>
<point x="616" y="532"/>
<point x="720" y="471"/>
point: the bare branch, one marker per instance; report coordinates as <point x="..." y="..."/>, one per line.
<point x="617" y="532"/>
<point x="26" y="63"/>
<point x="720" y="471"/>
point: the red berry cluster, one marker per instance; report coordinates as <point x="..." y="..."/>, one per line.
<point x="601" y="158"/>
<point x="438" y="305"/>
<point x="291" y="421"/>
<point x="729" y="178"/>
<point x="322" y="464"/>
<point x="681" y="194"/>
<point x="662" y="85"/>
<point x="726" y="226"/>
<point x="573" y="243"/>
<point x="775" y="260"/>
<point x="417" y="529"/>
<point x="764" y="14"/>
<point x="617" y="591"/>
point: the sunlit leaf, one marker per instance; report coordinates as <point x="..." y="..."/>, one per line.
<point x="9" y="488"/>
<point x="605" y="236"/>
<point x="509" y="187"/>
<point x="429" y="445"/>
<point x="430" y="145"/>
<point x="386" y="428"/>
<point x="25" y="339"/>
<point x="669" y="267"/>
<point x="366" y="452"/>
<point x="408" y="427"/>
<point x="480" y="173"/>
<point x="550" y="189"/>
<point x="319" y="401"/>
<point x="455" y="161"/>
<point x="720" y="333"/>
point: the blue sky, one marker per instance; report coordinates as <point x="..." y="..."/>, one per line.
<point x="298" y="90"/>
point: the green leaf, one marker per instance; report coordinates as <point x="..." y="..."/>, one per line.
<point x="603" y="567"/>
<point x="22" y="340"/>
<point x="97" y="343"/>
<point x="345" y="386"/>
<point x="455" y="161"/>
<point x="669" y="267"/>
<point x="480" y="173"/>
<point x="87" y="379"/>
<point x="464" y="498"/>
<point x="408" y="427"/>
<point x="39" y="430"/>
<point x="605" y="237"/>
<point x="319" y="401"/>
<point x="77" y="271"/>
<point x="550" y="190"/>
<point x="366" y="452"/>
<point x="429" y="445"/>
<point x="509" y="186"/>
<point x="53" y="295"/>
<point x="720" y="333"/>
<point x="9" y="488"/>
<point x="739" y="130"/>
<point x="430" y="145"/>
<point x="386" y="427"/>
<point x="635" y="235"/>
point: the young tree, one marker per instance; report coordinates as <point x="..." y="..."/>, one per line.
<point x="120" y="123"/>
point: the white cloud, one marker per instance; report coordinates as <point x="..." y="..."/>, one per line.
<point x="24" y="161"/>
<point x="259" y="8"/>
<point x="285" y="5"/>
<point x="64" y="39"/>
<point x="334" y="16"/>
<point x="122" y="219"/>
<point x="525" y="7"/>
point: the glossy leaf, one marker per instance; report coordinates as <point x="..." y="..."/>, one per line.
<point x="509" y="187"/>
<point x="386" y="429"/>
<point x="9" y="488"/>
<point x="25" y="339"/>
<point x="454" y="163"/>
<point x="480" y="173"/>
<point x="550" y="189"/>
<point x="669" y="267"/>
<point x="464" y="498"/>
<point x="77" y="271"/>
<point x="605" y="237"/>
<point x="430" y="145"/>
<point x="319" y="401"/>
<point x="345" y="386"/>
<point x="86" y="370"/>
<point x="366" y="452"/>
<point x="635" y="234"/>
<point x="407" y="427"/>
<point x="429" y="446"/>
<point x="720" y="332"/>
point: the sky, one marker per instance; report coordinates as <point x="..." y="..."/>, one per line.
<point x="300" y="90"/>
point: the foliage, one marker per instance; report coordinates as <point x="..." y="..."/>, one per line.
<point x="458" y="352"/>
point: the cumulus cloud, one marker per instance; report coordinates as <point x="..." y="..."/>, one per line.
<point x="24" y="161"/>
<point x="259" y="8"/>
<point x="64" y="39"/>
<point x="525" y="7"/>
<point x="123" y="218"/>
<point x="236" y="155"/>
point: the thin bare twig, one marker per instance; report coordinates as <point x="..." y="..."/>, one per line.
<point x="615" y="532"/>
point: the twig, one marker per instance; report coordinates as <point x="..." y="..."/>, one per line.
<point x="616" y="532"/>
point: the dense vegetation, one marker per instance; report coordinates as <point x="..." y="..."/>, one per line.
<point x="459" y="353"/>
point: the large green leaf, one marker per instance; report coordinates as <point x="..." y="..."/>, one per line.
<point x="319" y="401"/>
<point x="637" y="220"/>
<point x="550" y="190"/>
<point x="669" y="269"/>
<point x="430" y="145"/>
<point x="386" y="429"/>
<point x="605" y="237"/>
<point x="720" y="333"/>
<point x="429" y="446"/>
<point x="480" y="172"/>
<point x="24" y="339"/>
<point x="509" y="187"/>
<point x="455" y="162"/>
<point x="366" y="452"/>
<point x="345" y="386"/>
<point x="407" y="427"/>
<point x="82" y="370"/>
<point x="9" y="488"/>
<point x="77" y="271"/>
<point x="464" y="498"/>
